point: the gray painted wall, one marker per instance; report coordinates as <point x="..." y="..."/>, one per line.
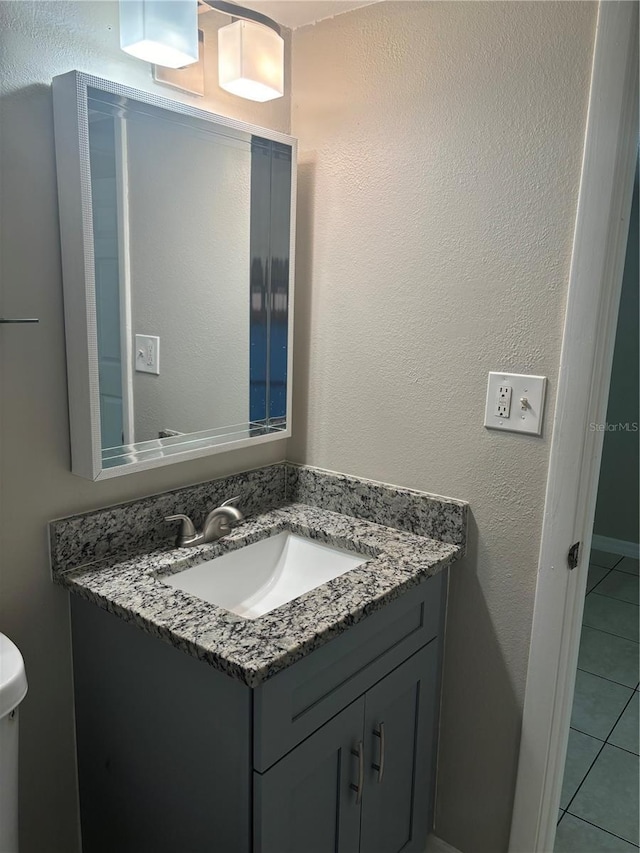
<point x="40" y="40"/>
<point x="617" y="508"/>
<point x="441" y="147"/>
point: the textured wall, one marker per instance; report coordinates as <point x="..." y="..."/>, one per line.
<point x="617" y="506"/>
<point x="40" y="40"/>
<point x="441" y="147"/>
<point x="440" y="157"/>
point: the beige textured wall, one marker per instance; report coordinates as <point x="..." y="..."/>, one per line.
<point x="40" y="40"/>
<point x="440" y="156"/>
<point x="440" y="153"/>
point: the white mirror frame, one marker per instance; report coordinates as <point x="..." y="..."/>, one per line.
<point x="70" y="98"/>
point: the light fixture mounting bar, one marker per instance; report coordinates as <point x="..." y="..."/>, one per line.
<point x="240" y="12"/>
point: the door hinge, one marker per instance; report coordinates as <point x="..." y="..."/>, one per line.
<point x="573" y="556"/>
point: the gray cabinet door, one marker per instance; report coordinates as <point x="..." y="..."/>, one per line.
<point x="399" y="736"/>
<point x="304" y="803"/>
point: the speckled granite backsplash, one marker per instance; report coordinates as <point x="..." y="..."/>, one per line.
<point x="138" y="527"/>
<point x="405" y="509"/>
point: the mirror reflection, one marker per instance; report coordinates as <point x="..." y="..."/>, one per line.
<point x="191" y="232"/>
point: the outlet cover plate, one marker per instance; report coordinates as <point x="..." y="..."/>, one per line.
<point x="523" y="417"/>
<point x="147" y="354"/>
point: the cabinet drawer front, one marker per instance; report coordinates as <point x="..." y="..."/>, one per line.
<point x="297" y="701"/>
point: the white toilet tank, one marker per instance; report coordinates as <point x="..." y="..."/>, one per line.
<point x="13" y="687"/>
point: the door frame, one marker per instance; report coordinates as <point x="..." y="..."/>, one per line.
<point x="597" y="263"/>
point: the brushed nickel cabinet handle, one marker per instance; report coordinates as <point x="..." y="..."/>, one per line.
<point x="380" y="767"/>
<point x="358" y="752"/>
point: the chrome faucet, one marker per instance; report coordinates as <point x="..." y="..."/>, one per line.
<point x="218" y="523"/>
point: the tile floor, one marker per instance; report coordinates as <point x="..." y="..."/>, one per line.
<point x="599" y="804"/>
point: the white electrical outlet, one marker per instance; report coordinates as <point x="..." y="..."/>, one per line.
<point x="523" y="415"/>
<point x="503" y="402"/>
<point x="147" y="354"/>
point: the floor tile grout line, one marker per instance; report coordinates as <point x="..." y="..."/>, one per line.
<point x="589" y="591"/>
<point x="618" y="718"/>
<point x="622" y="749"/>
<point x="617" y="562"/>
<point x="610" y="680"/>
<point x="601" y="828"/>
<point x="620" y="557"/>
<point x="622" y="572"/>
<point x="613" y="597"/>
<point x="629" y="701"/>
<point x="575" y="793"/>
<point x="582" y="732"/>
<point x="619" y="636"/>
<point x="607" y="742"/>
<point x="604" y="743"/>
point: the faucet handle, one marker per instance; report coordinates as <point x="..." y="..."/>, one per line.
<point x="231" y="501"/>
<point x="188" y="529"/>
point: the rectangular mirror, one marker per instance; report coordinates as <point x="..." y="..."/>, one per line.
<point x="177" y="230"/>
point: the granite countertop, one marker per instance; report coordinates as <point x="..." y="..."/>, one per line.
<point x="253" y="650"/>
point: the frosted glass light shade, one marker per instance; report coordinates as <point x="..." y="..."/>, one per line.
<point x="162" y="32"/>
<point x="251" y="61"/>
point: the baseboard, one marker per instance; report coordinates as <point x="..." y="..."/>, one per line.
<point x="616" y="546"/>
<point x="437" y="845"/>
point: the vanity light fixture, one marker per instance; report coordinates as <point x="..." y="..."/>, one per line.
<point x="162" y="32"/>
<point x="250" y="53"/>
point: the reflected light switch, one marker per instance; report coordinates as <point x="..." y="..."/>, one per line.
<point x="147" y="354"/>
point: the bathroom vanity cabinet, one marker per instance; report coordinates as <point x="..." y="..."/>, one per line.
<point x="361" y="781"/>
<point x="335" y="752"/>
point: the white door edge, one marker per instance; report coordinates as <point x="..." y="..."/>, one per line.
<point x="595" y="282"/>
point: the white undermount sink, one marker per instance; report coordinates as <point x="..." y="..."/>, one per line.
<point x="258" y="578"/>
